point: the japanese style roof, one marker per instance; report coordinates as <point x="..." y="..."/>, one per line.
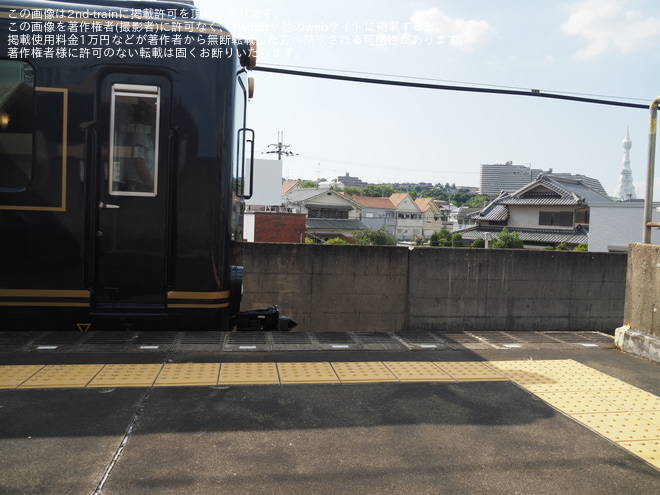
<point x="578" y="235"/>
<point x="371" y="202"/>
<point x="334" y="224"/>
<point x="493" y="212"/>
<point x="546" y="190"/>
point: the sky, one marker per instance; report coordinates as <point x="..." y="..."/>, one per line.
<point x="383" y="134"/>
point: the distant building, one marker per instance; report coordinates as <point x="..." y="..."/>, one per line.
<point x="497" y="177"/>
<point x="625" y="190"/>
<point x="328" y="213"/>
<point x="349" y="181"/>
<point x="263" y="226"/>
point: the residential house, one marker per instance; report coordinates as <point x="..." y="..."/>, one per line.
<point x="408" y="217"/>
<point x="546" y="212"/>
<point x="377" y="213"/>
<point x="330" y="214"/>
<point x="433" y="218"/>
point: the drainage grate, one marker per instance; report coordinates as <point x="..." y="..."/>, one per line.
<point x="335" y="341"/>
<point x="58" y="340"/>
<point x="298" y="341"/>
<point x="425" y="341"/>
<point x="379" y="341"/>
<point x="154" y="341"/>
<point x="246" y="341"/>
<point x="199" y="341"/>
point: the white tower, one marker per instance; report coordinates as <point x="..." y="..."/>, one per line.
<point x="625" y="190"/>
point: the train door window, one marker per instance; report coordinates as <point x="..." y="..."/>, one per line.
<point x="16" y="124"/>
<point x="239" y="125"/>
<point x="134" y="122"/>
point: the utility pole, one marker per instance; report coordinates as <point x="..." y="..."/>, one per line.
<point x="280" y="148"/>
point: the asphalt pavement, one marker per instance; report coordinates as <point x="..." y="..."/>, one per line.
<point x="370" y="435"/>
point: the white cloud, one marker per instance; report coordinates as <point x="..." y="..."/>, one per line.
<point x="461" y="33"/>
<point x="610" y="24"/>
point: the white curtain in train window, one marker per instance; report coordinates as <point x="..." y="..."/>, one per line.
<point x="134" y="140"/>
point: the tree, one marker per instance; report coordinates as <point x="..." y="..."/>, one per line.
<point x="507" y="240"/>
<point x="456" y="240"/>
<point x="378" y="191"/>
<point x="478" y="201"/>
<point x="336" y="240"/>
<point x="370" y="237"/>
<point x="441" y="237"/>
<point x="478" y="243"/>
<point x="582" y="247"/>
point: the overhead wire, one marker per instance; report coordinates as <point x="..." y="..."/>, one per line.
<point x="337" y="76"/>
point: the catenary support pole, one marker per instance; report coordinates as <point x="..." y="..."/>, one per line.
<point x="650" y="174"/>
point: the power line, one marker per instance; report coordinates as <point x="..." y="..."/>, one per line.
<point x="418" y="78"/>
<point x="409" y="84"/>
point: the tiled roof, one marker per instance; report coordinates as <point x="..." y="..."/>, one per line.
<point x="578" y="235"/>
<point x="371" y="202"/>
<point x="493" y="213"/>
<point x="396" y="198"/>
<point x="287" y="185"/>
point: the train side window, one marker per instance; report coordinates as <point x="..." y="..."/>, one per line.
<point x="16" y="124"/>
<point x="134" y="128"/>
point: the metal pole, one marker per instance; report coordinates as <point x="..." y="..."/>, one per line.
<point x="650" y="174"/>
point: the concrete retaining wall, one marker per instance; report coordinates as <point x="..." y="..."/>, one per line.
<point x="390" y="289"/>
<point x="641" y="331"/>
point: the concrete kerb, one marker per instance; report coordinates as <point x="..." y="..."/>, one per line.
<point x="639" y="343"/>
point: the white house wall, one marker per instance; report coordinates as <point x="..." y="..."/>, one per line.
<point x="528" y="217"/>
<point x="619" y="224"/>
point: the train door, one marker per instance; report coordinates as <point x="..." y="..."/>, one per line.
<point x="132" y="207"/>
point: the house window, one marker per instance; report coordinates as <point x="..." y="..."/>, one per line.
<point x="327" y="213"/>
<point x="556" y="218"/>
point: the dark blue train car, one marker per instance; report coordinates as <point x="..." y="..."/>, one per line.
<point x="123" y="144"/>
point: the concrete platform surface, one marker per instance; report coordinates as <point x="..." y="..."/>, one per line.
<point x="496" y="414"/>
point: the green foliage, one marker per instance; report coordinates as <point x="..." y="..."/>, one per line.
<point x="478" y="201"/>
<point x="507" y="240"/>
<point x="308" y="183"/>
<point x="582" y="247"/>
<point x="370" y="237"/>
<point x="456" y="240"/>
<point x="441" y="237"/>
<point x="478" y="243"/>
<point x="378" y="191"/>
<point x="561" y="247"/>
<point x="336" y="240"/>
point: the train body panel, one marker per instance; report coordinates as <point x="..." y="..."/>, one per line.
<point x="117" y="173"/>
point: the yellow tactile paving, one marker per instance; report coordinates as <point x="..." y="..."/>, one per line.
<point x="13" y="376"/>
<point x="468" y="371"/>
<point x="248" y="374"/>
<point x="188" y="374"/>
<point x="620" y="427"/>
<point x="650" y="416"/>
<point x="417" y="371"/>
<point x="127" y="375"/>
<point x="363" y="372"/>
<point x="63" y="376"/>
<point x="632" y="399"/>
<point x="306" y="373"/>
<point x="579" y="402"/>
<point x="647" y="450"/>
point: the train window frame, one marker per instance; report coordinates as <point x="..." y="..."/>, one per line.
<point x="123" y="181"/>
<point x="17" y="147"/>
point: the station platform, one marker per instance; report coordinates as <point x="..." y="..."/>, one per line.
<point x="418" y="412"/>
